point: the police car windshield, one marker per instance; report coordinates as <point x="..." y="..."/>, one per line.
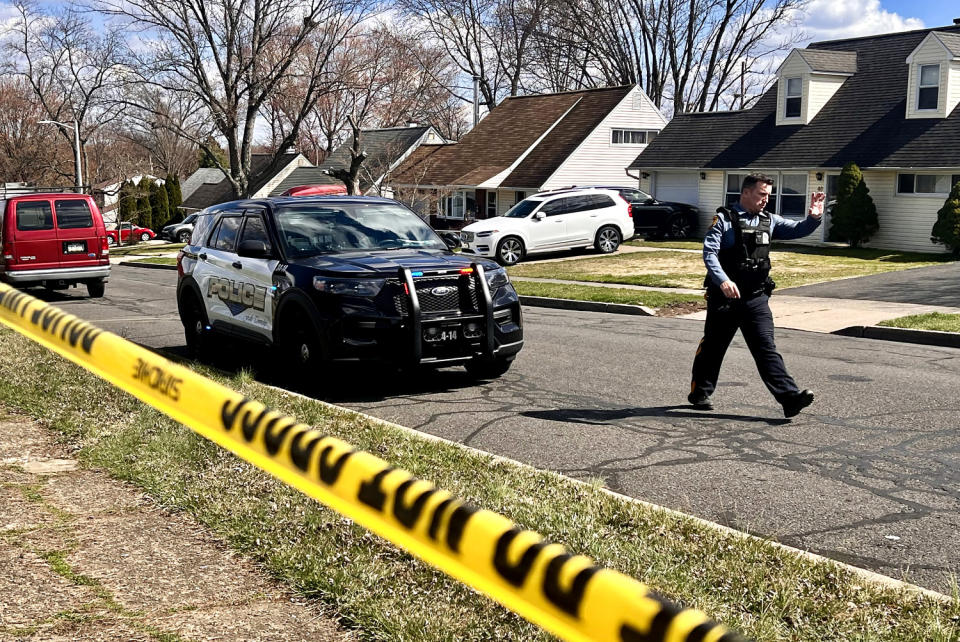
<point x="523" y="208"/>
<point x="320" y="228"/>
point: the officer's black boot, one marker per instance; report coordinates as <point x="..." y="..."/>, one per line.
<point x="796" y="402"/>
<point x="700" y="400"/>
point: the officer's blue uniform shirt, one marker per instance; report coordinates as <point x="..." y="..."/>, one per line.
<point x="721" y="236"/>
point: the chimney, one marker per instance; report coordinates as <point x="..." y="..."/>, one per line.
<point x="412" y="123"/>
<point x="956" y="21"/>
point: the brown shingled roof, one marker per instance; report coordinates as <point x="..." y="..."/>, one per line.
<point x="507" y="132"/>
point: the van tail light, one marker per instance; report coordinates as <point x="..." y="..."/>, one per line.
<point x="8" y="256"/>
<point x="104" y="246"/>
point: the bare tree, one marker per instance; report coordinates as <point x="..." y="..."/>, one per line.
<point x="351" y="174"/>
<point x="232" y="56"/>
<point x="689" y="54"/>
<point x="27" y="149"/>
<point x="68" y="65"/>
<point x="486" y="39"/>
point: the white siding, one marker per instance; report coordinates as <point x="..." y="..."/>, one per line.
<point x="597" y="161"/>
<point x="711" y="197"/>
<point x="820" y="89"/>
<point x="929" y="52"/>
<point x="953" y="87"/>
<point x="905" y="220"/>
<point x="793" y="67"/>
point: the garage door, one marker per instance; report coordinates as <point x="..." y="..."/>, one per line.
<point x="680" y="187"/>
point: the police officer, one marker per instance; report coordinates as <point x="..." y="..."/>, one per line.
<point x="736" y="252"/>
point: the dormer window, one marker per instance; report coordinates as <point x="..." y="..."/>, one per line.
<point x="791" y="108"/>
<point x="928" y="94"/>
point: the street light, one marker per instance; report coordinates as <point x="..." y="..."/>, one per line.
<point x="76" y="148"/>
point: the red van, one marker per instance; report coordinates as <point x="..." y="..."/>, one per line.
<point x="53" y="240"/>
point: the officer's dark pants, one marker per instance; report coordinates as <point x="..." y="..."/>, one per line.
<point x="754" y="319"/>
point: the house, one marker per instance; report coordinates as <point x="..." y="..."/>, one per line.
<point x="528" y="144"/>
<point x="887" y="103"/>
<point x="107" y="195"/>
<point x="264" y="177"/>
<point x="385" y="148"/>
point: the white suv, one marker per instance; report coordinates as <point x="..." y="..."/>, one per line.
<point x="549" y="221"/>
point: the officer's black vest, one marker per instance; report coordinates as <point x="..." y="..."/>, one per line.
<point x="747" y="261"/>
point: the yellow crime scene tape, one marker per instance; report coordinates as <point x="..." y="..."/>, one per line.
<point x="565" y="594"/>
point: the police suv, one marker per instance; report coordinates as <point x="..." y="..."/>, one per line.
<point x="344" y="278"/>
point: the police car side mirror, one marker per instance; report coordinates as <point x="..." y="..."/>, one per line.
<point x="650" y="201"/>
<point x="254" y="249"/>
<point x="539" y="216"/>
<point x="452" y="239"/>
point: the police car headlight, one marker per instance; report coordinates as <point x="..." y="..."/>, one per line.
<point x="481" y="235"/>
<point x="355" y="287"/>
<point x="496" y="278"/>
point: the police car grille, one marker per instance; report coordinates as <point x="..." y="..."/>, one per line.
<point x="461" y="298"/>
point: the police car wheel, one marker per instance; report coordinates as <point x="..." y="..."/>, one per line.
<point x="300" y="345"/>
<point x="488" y="369"/>
<point x="194" y="325"/>
<point x="608" y="239"/>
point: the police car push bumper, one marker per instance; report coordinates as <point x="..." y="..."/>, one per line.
<point x="482" y="326"/>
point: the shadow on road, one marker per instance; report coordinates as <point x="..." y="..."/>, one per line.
<point x="345" y="382"/>
<point x="601" y="417"/>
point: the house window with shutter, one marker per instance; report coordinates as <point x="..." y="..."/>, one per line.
<point x="928" y="92"/>
<point x="794" y="98"/>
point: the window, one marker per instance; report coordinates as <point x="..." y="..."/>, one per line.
<point x="734" y="181"/>
<point x="460" y="205"/>
<point x="940" y="184"/>
<point x="632" y="136"/>
<point x="793" y="195"/>
<point x="34" y="215"/>
<point x="594" y="202"/>
<point x="519" y="196"/>
<point x="794" y="96"/>
<point x="928" y="94"/>
<point x="73" y="214"/>
<point x="560" y="206"/>
<point x="254" y="230"/>
<point x="226" y="234"/>
<point x="491" y="204"/>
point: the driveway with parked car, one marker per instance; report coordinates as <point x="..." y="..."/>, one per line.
<point x="551" y="221"/>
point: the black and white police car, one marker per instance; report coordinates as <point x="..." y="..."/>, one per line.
<point x="344" y="278"/>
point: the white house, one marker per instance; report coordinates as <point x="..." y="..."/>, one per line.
<point x="887" y="103"/>
<point x="528" y="144"/>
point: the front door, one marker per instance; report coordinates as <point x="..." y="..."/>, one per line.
<point x="216" y="276"/>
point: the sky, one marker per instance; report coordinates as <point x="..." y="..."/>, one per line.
<point x="834" y="19"/>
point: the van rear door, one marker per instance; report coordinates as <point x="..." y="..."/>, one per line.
<point x="35" y="244"/>
<point x="77" y="241"/>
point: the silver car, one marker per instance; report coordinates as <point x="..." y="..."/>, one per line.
<point x="179" y="231"/>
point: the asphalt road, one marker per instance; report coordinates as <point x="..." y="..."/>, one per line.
<point x="869" y="475"/>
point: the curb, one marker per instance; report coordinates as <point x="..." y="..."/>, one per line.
<point x="903" y="335"/>
<point x="587" y="306"/>
<point x="149" y="266"/>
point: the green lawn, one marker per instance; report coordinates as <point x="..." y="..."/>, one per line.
<point x="143" y="248"/>
<point x="383" y="593"/>
<point x="792" y="266"/>
<point x="159" y="260"/>
<point x="649" y="298"/>
<point x="931" y="321"/>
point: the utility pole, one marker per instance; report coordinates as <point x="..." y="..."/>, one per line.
<point x="78" y="169"/>
<point x="476" y="100"/>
